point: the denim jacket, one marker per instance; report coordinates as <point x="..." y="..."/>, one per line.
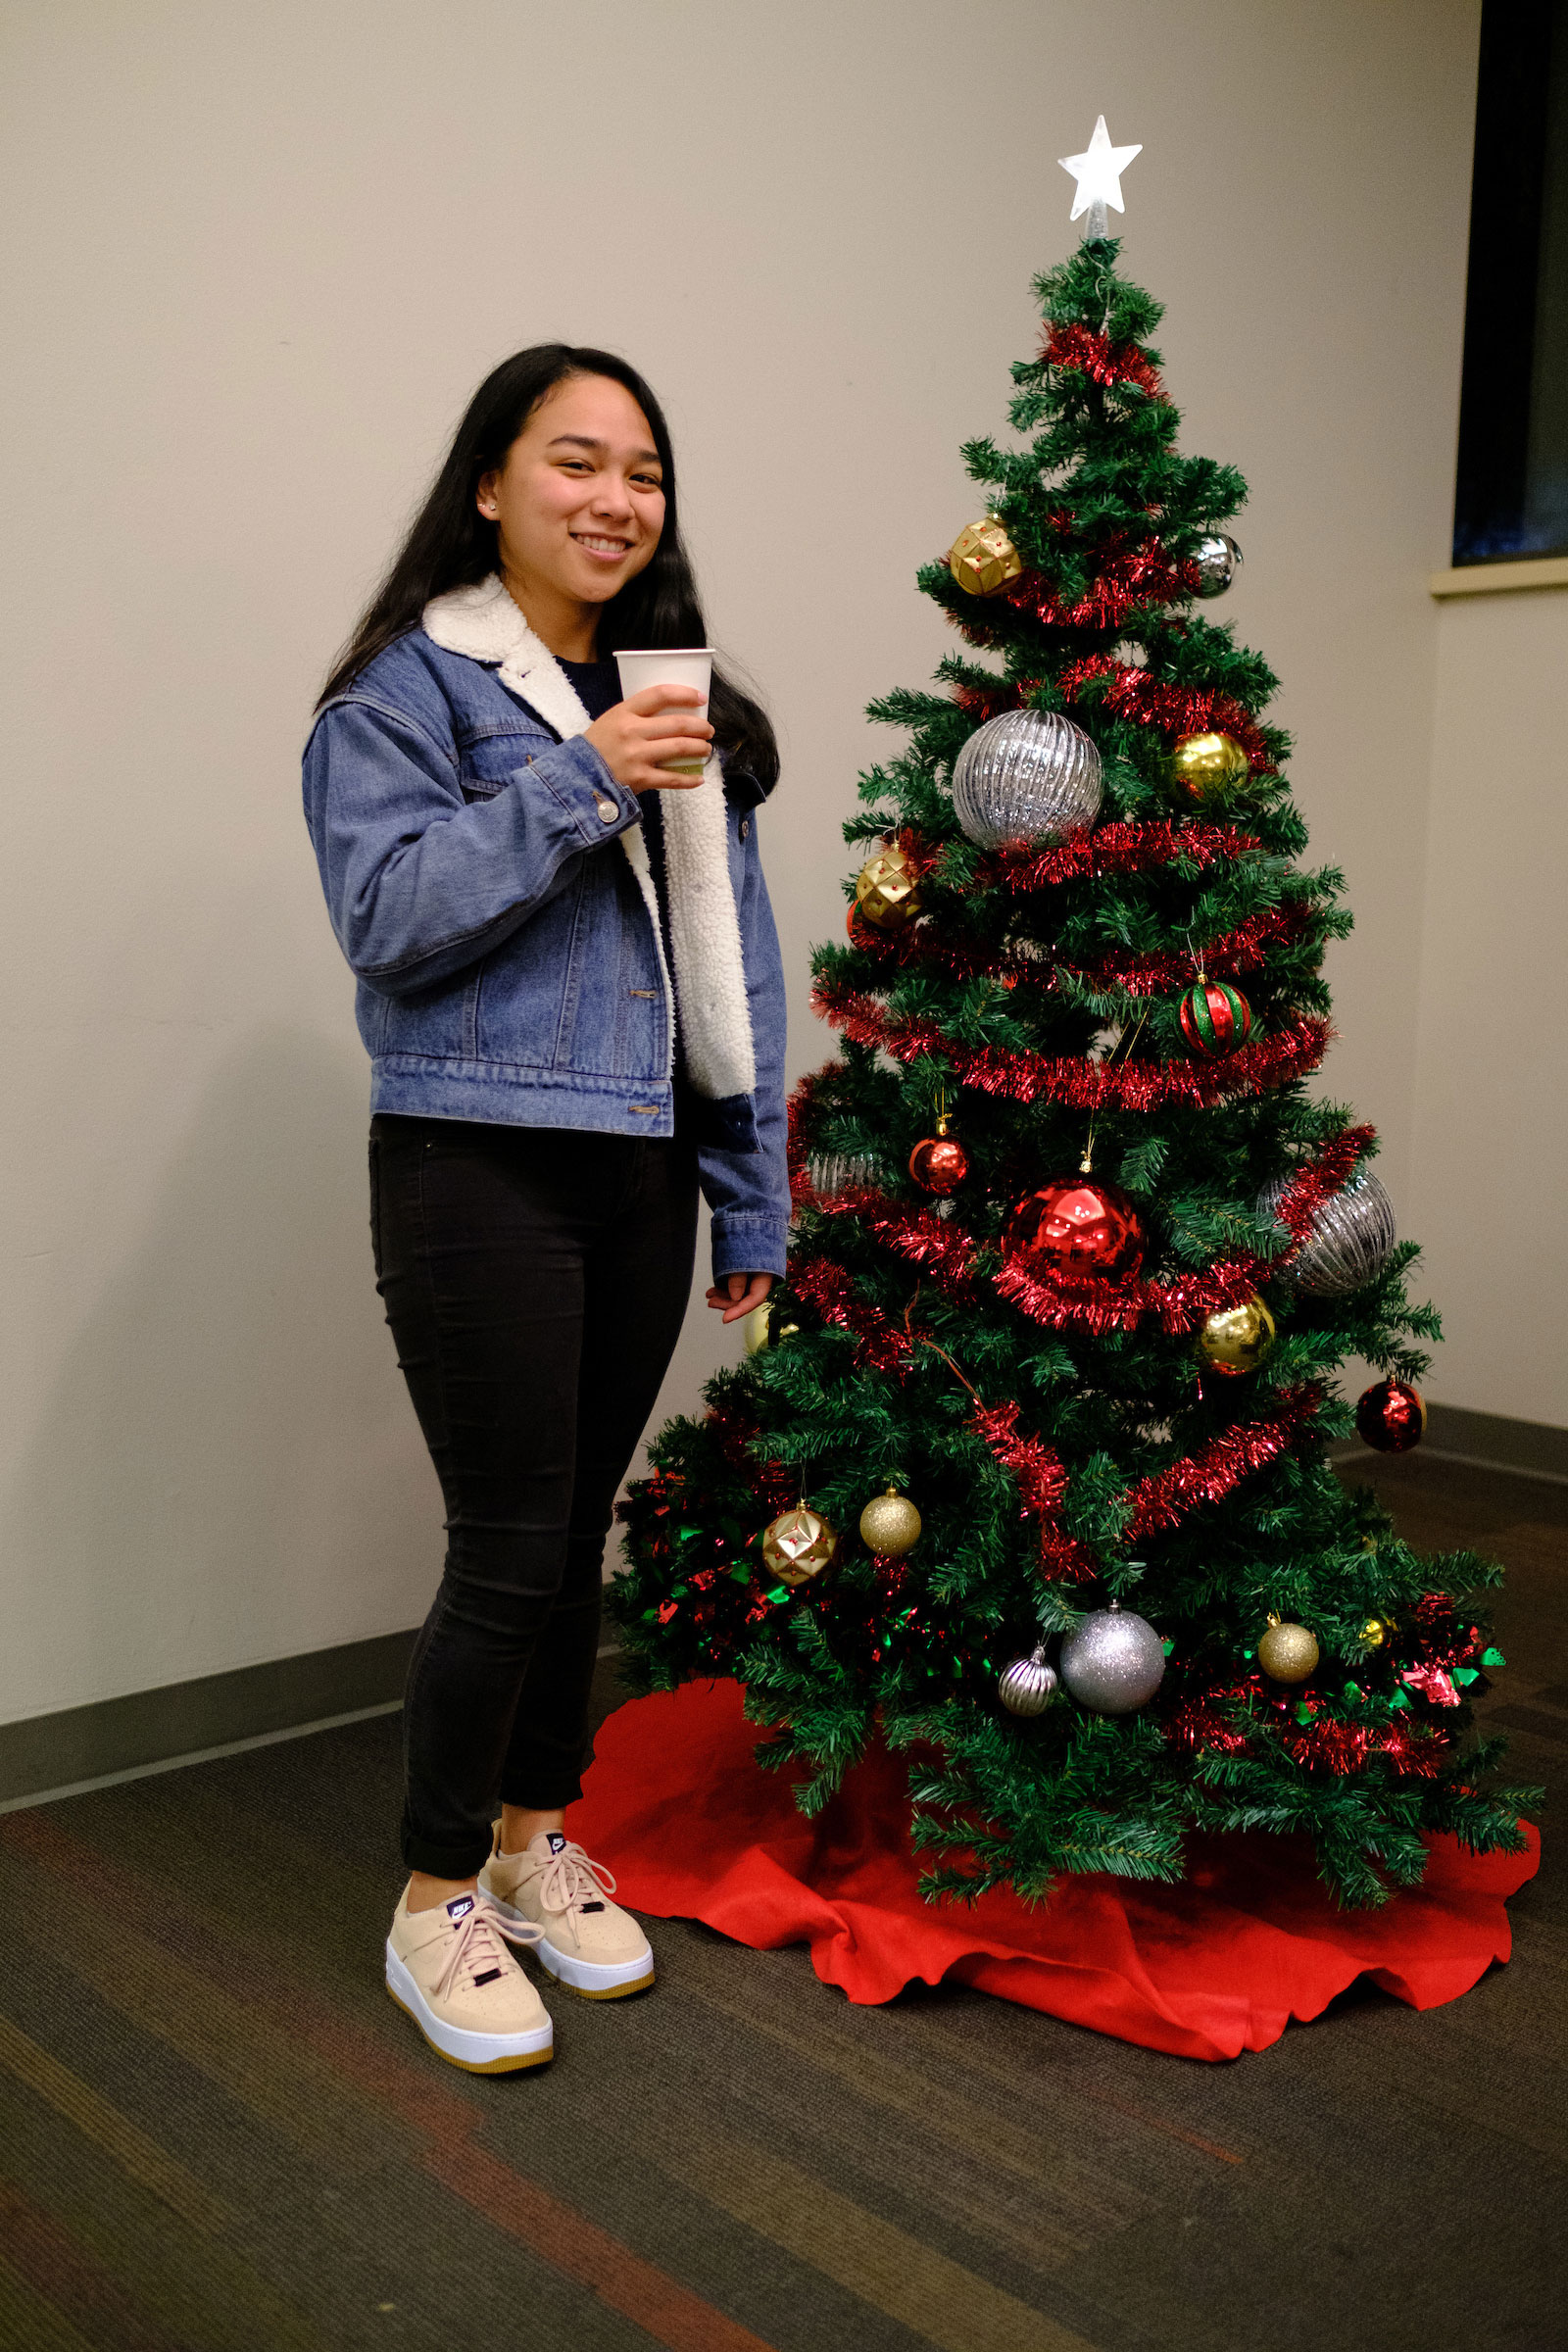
<point x="488" y="882"/>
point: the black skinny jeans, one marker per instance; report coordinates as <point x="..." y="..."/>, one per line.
<point x="535" y="1280"/>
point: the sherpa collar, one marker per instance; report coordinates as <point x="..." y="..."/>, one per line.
<point x="705" y="933"/>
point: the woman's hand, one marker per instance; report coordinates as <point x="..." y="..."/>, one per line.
<point x="740" y="1295"/>
<point x="633" y="737"/>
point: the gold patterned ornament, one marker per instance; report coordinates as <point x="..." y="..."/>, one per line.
<point x="983" y="558"/>
<point x="798" y="1545"/>
<point x="886" y="891"/>
<point x="1287" y="1654"/>
<point x="890" y="1525"/>
<point x="1238" y="1338"/>
<point x="1205" y="767"/>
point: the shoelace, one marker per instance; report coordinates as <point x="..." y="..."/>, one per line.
<point x="478" y="1945"/>
<point x="573" y="1878"/>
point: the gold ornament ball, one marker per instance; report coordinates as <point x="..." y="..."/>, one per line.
<point x="760" y="1332"/>
<point x="886" y="892"/>
<point x="1206" y="766"/>
<point x="798" y="1545"/>
<point x="1238" y="1338"/>
<point x="1377" y="1630"/>
<point x="1287" y="1654"/>
<point x="983" y="558"/>
<point x="890" y="1525"/>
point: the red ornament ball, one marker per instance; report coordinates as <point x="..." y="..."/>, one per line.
<point x="1076" y="1226"/>
<point x="1391" y="1417"/>
<point x="1215" y="1018"/>
<point x="939" y="1164"/>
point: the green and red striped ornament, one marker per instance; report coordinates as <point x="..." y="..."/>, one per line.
<point x="1215" y="1018"/>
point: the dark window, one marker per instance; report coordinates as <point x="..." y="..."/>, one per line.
<point x="1512" y="493"/>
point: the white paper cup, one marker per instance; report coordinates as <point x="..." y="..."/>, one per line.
<point x="687" y="665"/>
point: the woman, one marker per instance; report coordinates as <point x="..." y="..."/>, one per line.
<point x="570" y="988"/>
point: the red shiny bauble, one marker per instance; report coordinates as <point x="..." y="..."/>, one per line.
<point x="1391" y="1417"/>
<point x="939" y="1162"/>
<point x="1076" y="1226"/>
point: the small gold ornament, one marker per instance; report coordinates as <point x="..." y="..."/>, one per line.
<point x="760" y="1332"/>
<point x="1238" y="1338"/>
<point x="1287" y="1654"/>
<point x="1206" y="766"/>
<point x="886" y="892"/>
<point x="798" y="1545"/>
<point x="1377" y="1630"/>
<point x="983" y="558"/>
<point x="890" y="1525"/>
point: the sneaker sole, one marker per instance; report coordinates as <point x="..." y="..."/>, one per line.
<point x="594" y="1979"/>
<point x="475" y="2053"/>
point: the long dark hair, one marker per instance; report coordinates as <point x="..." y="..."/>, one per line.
<point x="450" y="545"/>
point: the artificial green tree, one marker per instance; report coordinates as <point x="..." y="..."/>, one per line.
<point x="1073" y="1434"/>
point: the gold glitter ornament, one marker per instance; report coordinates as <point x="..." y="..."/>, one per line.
<point x="798" y="1545"/>
<point x="886" y="891"/>
<point x="890" y="1525"/>
<point x="1238" y="1338"/>
<point x="983" y="558"/>
<point x="1287" y="1654"/>
<point x="1208" y="766"/>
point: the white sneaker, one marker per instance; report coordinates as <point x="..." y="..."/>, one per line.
<point x="451" y="1970"/>
<point x="587" y="1941"/>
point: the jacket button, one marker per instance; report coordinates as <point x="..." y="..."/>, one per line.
<point x="607" y="810"/>
<point x="745" y="827"/>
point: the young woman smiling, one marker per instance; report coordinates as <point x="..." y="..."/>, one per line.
<point x="570" y="988"/>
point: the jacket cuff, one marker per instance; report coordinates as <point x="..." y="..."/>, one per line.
<point x="599" y="808"/>
<point x="748" y="1241"/>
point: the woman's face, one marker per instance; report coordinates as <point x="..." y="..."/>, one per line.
<point x="579" y="503"/>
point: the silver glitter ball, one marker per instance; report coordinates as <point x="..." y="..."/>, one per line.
<point x="1351" y="1235"/>
<point x="1114" y="1661"/>
<point x="1028" y="1686"/>
<point x="832" y="1172"/>
<point x="1218" y="560"/>
<point x="1025" y="776"/>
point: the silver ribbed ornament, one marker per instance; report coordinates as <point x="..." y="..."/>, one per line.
<point x="1351" y="1235"/>
<point x="1024" y="776"/>
<point x="833" y="1172"/>
<point x="1028" y="1686"/>
<point x="1218" y="560"/>
<point x="1113" y="1661"/>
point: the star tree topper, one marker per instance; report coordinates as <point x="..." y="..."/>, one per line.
<point x="1098" y="172"/>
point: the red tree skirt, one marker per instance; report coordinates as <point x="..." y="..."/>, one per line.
<point x="693" y="1829"/>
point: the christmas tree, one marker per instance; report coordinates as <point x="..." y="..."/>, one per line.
<point x="1028" y="1472"/>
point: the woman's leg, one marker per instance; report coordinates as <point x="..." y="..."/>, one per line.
<point x="637" y="1279"/>
<point x="482" y="1236"/>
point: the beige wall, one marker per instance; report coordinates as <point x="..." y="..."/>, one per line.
<point x="1489" y="1141"/>
<point x="256" y="261"/>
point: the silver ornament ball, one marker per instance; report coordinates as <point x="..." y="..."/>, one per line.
<point x="1218" y="560"/>
<point x="1113" y="1662"/>
<point x="1351" y="1235"/>
<point x="1028" y="1686"/>
<point x="1024" y="776"/>
<point x="834" y="1172"/>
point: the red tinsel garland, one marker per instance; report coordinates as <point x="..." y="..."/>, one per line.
<point x="1127" y="575"/>
<point x="1114" y="848"/>
<point x="1131" y="694"/>
<point x="1069" y="345"/>
<point x="1164" y="1501"/>
<point x="1231" y="953"/>
<point x="830" y="1290"/>
<point x="1138" y="1086"/>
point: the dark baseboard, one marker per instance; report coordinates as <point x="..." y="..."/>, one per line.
<point x="181" y="1718"/>
<point x="1537" y="1448"/>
